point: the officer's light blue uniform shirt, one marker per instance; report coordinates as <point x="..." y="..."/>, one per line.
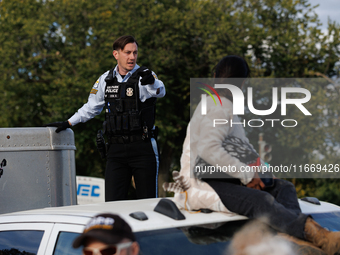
<point x="96" y="101"/>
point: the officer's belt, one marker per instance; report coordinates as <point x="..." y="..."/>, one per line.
<point x="129" y="138"/>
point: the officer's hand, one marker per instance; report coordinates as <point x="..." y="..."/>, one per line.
<point x="60" y="125"/>
<point x="147" y="77"/>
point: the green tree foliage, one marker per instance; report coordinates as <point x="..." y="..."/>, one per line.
<point x="53" y="51"/>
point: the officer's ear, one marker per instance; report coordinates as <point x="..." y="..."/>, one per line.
<point x="115" y="54"/>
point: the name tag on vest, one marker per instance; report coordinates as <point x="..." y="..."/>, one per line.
<point x="112" y="91"/>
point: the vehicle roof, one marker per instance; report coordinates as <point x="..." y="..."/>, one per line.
<point x="80" y="214"/>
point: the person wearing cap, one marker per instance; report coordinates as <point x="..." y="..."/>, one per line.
<point x="107" y="234"/>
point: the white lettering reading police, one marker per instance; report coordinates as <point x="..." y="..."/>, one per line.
<point x="111" y="89"/>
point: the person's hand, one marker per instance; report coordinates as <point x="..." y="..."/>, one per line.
<point x="60" y="125"/>
<point x="256" y="183"/>
<point x="147" y="77"/>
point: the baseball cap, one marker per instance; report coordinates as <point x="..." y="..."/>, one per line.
<point x="107" y="228"/>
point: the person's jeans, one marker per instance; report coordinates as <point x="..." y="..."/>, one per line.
<point x="278" y="203"/>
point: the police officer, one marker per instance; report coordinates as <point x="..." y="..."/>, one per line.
<point x="129" y="93"/>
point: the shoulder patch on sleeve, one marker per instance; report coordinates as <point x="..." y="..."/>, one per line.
<point x="154" y="75"/>
<point x="96" y="84"/>
<point x="94" y="91"/>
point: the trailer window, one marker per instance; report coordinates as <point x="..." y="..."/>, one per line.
<point x="20" y="241"/>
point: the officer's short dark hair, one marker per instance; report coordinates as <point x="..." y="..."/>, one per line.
<point x="120" y="43"/>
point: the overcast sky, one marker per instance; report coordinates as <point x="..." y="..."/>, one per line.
<point x="327" y="8"/>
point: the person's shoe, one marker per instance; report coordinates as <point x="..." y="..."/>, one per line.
<point x="301" y="247"/>
<point x="181" y="183"/>
<point x="328" y="241"/>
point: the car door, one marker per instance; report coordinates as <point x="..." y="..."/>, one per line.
<point x="61" y="239"/>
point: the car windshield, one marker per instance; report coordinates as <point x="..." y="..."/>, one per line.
<point x="202" y="239"/>
<point x="330" y="220"/>
<point x="207" y="239"/>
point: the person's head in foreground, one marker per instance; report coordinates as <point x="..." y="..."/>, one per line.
<point x="107" y="234"/>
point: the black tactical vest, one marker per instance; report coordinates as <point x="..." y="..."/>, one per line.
<point x="125" y="114"/>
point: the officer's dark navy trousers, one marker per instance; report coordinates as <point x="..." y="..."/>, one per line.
<point x="279" y="204"/>
<point x="138" y="159"/>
